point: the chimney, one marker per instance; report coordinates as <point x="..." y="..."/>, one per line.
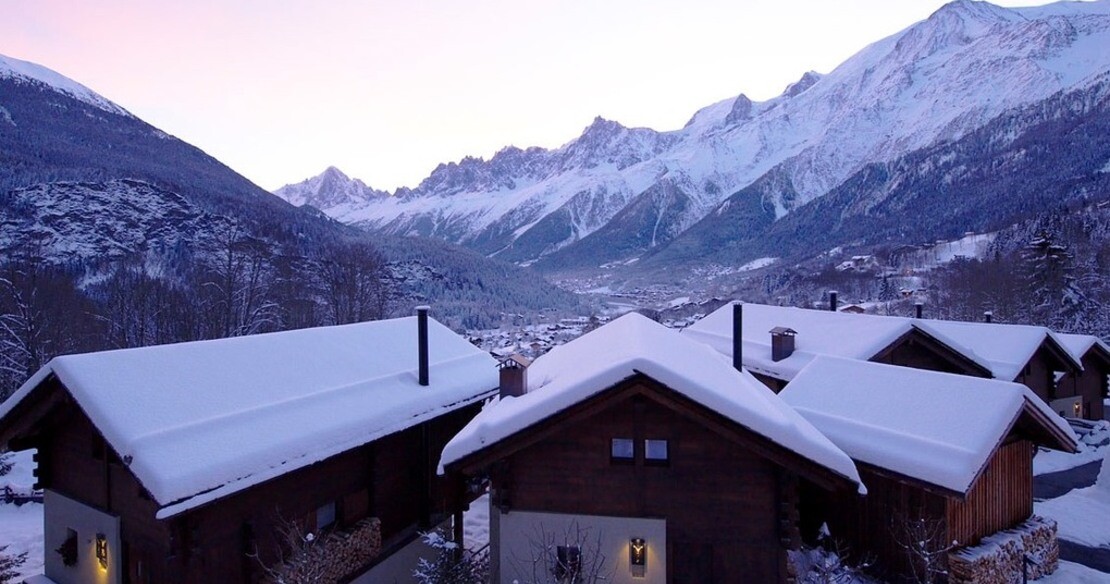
<point x="514" y="376"/>
<point x="737" y="335"/>
<point x="988" y="316"/>
<point x="422" y="343"/>
<point x="832" y="300"/>
<point x="918" y="307"/>
<point x="782" y="342"/>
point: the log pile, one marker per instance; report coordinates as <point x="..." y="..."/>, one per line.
<point x="1000" y="558"/>
<point x="336" y="558"/>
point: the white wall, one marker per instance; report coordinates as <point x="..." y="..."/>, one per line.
<point x="517" y="533"/>
<point x="1066" y="406"/>
<point x="61" y="514"/>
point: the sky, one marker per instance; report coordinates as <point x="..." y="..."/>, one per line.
<point x="386" y="90"/>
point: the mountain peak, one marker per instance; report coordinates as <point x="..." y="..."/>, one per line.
<point x="328" y="189"/>
<point x="25" y="71"/>
<point x="807" y="81"/>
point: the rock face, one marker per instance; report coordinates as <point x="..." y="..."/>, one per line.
<point x="929" y="85"/>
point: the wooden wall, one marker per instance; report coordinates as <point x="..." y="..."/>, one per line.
<point x="920" y="352"/>
<point x="1039" y="375"/>
<point x="1001" y="498"/>
<point x="719" y="498"/>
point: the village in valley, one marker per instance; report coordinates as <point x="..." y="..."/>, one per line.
<point x="852" y="329"/>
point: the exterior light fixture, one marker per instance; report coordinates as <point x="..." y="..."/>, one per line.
<point x="102" y="550"/>
<point x="637" y="556"/>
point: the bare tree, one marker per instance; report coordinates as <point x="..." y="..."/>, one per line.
<point x="300" y="556"/>
<point x="571" y="556"/>
<point x="354" y="282"/>
<point x="9" y="563"/>
<point x="235" y="286"/>
<point x="922" y="540"/>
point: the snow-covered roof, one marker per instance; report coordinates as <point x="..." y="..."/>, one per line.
<point x="1001" y="349"/>
<point x="1079" y="345"/>
<point x="939" y="428"/>
<point x="1006" y="347"/>
<point x="596" y="361"/>
<point x="202" y="420"/>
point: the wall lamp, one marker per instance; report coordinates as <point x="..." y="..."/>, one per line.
<point x="102" y="550"/>
<point x="637" y="556"/>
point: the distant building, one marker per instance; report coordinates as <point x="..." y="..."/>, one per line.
<point x="182" y="463"/>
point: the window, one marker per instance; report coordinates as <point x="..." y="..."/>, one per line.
<point x="656" y="452"/>
<point x="622" y="450"/>
<point x="325" y="515"/>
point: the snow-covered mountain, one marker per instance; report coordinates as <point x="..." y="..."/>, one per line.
<point x="615" y="193"/>
<point x="330" y="189"/>
<point x="26" y="72"/>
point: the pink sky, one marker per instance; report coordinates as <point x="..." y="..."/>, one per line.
<point x="385" y="90"/>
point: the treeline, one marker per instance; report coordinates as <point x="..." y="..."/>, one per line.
<point x="238" y="285"/>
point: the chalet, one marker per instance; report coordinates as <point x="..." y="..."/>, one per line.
<point x="184" y="463"/>
<point x="1031" y="355"/>
<point x="775" y="359"/>
<point x="947" y="459"/>
<point x="639" y="454"/>
<point x="1084" y="395"/>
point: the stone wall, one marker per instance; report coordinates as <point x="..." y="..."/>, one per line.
<point x="336" y="558"/>
<point x="999" y="559"/>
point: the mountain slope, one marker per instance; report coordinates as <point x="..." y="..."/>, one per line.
<point x="1045" y="156"/>
<point x="82" y="180"/>
<point x="616" y="193"/>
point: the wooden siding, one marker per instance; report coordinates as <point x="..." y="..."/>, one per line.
<point x="871" y="527"/>
<point x="392" y="478"/>
<point x="919" y="351"/>
<point x="1000" y="499"/>
<point x="1039" y="374"/>
<point x="720" y="500"/>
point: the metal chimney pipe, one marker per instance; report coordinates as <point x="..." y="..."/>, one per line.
<point x="422" y="343"/>
<point x="737" y="335"/>
<point x="918" y="307"/>
<point x="988" y="316"/>
<point x="832" y="300"/>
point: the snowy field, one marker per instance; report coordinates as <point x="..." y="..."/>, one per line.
<point x="21" y="531"/>
<point x="1069" y="573"/>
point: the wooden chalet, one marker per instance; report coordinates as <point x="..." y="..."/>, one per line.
<point x="897" y="341"/>
<point x="947" y="459"/>
<point x="183" y="463"/>
<point x="1084" y="395"/>
<point x="1031" y="355"/>
<point x="637" y="446"/>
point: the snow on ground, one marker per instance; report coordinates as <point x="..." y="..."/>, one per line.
<point x="476" y="523"/>
<point x="1081" y="514"/>
<point x="757" y="264"/>
<point x="1093" y="445"/>
<point x="1070" y="573"/>
<point x="21" y="525"/>
<point x="21" y="531"/>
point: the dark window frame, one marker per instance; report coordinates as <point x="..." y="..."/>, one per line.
<point x="622" y="460"/>
<point x="665" y="461"/>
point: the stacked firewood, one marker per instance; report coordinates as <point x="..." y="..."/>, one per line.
<point x="336" y="558"/>
<point x="1000" y="558"/>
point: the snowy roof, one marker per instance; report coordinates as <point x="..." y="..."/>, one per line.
<point x="596" y="361"/>
<point x="1079" y="345"/>
<point x="202" y="420"/>
<point x="1006" y="347"/>
<point x="1001" y="349"/>
<point x="939" y="428"/>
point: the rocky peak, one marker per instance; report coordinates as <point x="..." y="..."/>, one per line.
<point x="807" y="81"/>
<point x="741" y="110"/>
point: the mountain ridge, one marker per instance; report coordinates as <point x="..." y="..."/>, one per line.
<point x="931" y="83"/>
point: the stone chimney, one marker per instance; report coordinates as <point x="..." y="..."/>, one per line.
<point x="514" y="375"/>
<point x="782" y="342"/>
